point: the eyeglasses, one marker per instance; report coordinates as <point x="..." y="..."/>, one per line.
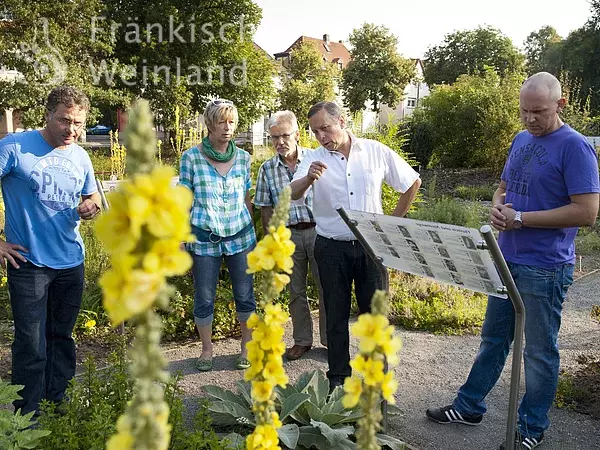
<point x="221" y="101"/>
<point x="67" y="123"/>
<point x="285" y="136"/>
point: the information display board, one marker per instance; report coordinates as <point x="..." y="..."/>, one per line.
<point x="446" y="253"/>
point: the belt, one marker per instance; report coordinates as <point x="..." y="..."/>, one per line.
<point x="208" y="236"/>
<point x="302" y="225"/>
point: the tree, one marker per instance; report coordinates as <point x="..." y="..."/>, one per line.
<point x="376" y="72"/>
<point x="173" y="53"/>
<point x="307" y="80"/>
<point x="580" y="64"/>
<point x="471" y="51"/>
<point x="48" y="44"/>
<point x="543" y="51"/>
<point x="473" y="120"/>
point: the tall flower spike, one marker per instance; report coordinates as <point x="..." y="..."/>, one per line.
<point x="152" y="218"/>
<point x="369" y="382"/>
<point x="266" y="348"/>
<point x="140" y="140"/>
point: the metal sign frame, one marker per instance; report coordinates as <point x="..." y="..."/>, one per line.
<point x="489" y="243"/>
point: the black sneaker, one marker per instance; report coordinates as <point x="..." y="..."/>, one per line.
<point x="524" y="442"/>
<point x="448" y="414"/>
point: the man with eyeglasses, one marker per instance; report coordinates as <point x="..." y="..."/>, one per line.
<point x="48" y="185"/>
<point x="274" y="175"/>
<point x="347" y="171"/>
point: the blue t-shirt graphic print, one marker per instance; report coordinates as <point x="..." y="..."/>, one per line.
<point x="541" y="173"/>
<point x="42" y="187"/>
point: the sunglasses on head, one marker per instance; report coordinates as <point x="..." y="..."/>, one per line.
<point x="220" y="101"/>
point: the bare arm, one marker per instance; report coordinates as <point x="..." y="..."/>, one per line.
<point x="406" y="199"/>
<point x="266" y="212"/>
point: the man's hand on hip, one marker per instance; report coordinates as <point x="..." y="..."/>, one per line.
<point x="9" y="253"/>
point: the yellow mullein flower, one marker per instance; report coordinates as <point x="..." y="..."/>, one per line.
<point x="275" y="373"/>
<point x="390" y="349"/>
<point x="120" y="441"/>
<point x="167" y="258"/>
<point x="280" y="281"/>
<point x="115" y="228"/>
<point x="370" y="329"/>
<point x="274" y="314"/>
<point x="252" y="322"/>
<point x="353" y="390"/>
<point x="275" y="419"/>
<point x="3" y="281"/>
<point x="388" y="387"/>
<point x="90" y="323"/>
<point x="358" y="364"/>
<point x="262" y="390"/>
<point x="128" y="291"/>
<point x="373" y="374"/>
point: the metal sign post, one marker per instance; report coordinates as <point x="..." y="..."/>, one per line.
<point x="515" y="297"/>
<point x="449" y="254"/>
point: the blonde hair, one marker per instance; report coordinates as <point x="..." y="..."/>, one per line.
<point x="217" y="110"/>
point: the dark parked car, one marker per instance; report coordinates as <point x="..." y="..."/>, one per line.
<point x="99" y="129"/>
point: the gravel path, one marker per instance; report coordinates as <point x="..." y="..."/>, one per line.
<point x="431" y="370"/>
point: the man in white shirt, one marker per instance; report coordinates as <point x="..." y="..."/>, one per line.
<point x="347" y="172"/>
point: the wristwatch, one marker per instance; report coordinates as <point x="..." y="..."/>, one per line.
<point x="518" y="221"/>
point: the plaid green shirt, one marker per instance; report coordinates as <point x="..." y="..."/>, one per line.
<point x="273" y="176"/>
<point x="219" y="204"/>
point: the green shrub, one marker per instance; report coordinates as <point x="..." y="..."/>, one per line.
<point x="589" y="243"/>
<point x="475" y="193"/>
<point x="473" y="121"/>
<point x="450" y="211"/>
<point x="419" y="134"/>
<point x="311" y="417"/>
<point x="15" y="431"/>
<point x="417" y="303"/>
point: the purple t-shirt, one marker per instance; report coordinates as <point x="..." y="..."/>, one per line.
<point x="540" y="174"/>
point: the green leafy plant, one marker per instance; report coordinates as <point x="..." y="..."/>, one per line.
<point x="447" y="210"/>
<point x="475" y="193"/>
<point x="420" y="304"/>
<point x="16" y="430"/>
<point x="311" y="417"/>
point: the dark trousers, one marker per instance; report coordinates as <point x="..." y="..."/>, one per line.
<point x="340" y="263"/>
<point x="45" y="303"/>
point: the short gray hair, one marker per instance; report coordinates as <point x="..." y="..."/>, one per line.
<point x="332" y="109"/>
<point x="219" y="109"/>
<point x="283" y="117"/>
<point x="544" y="80"/>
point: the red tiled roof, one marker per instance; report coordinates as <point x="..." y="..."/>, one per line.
<point x="331" y="51"/>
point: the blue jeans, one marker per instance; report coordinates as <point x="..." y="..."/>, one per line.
<point x="543" y="292"/>
<point x="205" y="272"/>
<point x="45" y="303"/>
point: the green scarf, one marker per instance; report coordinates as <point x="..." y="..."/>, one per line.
<point x="209" y="151"/>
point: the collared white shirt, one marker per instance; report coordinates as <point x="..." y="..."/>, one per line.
<point x="353" y="183"/>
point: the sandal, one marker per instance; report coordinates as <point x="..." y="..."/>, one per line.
<point x="204" y="365"/>
<point x="242" y="363"/>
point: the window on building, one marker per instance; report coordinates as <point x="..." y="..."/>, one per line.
<point x="411" y="102"/>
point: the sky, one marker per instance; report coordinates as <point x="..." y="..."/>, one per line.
<point x="418" y="24"/>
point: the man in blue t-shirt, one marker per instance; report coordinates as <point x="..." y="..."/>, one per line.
<point x="48" y="185"/>
<point x="549" y="188"/>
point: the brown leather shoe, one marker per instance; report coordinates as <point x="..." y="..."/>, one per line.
<point x="297" y="351"/>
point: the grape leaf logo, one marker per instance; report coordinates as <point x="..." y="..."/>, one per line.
<point x="48" y="64"/>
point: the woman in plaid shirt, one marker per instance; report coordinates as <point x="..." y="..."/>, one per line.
<point x="218" y="173"/>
